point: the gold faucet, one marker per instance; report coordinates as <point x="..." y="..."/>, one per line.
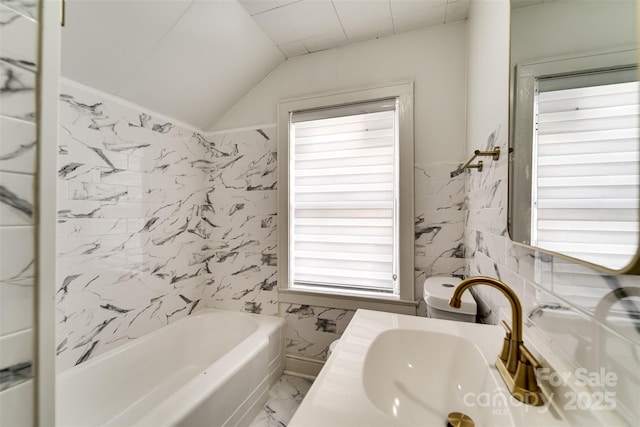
<point x="515" y="363"/>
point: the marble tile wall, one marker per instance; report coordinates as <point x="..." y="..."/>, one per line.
<point x="560" y="298"/>
<point x="439" y="228"/>
<point x="311" y="329"/>
<point x="245" y="200"/>
<point x="18" y="50"/>
<point x="156" y="220"/>
<point x="133" y="233"/>
<point x="241" y="209"/>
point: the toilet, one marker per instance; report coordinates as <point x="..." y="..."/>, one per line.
<point x="437" y="293"/>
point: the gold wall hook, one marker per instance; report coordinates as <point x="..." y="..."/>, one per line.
<point x="494" y="154"/>
<point x="476" y="166"/>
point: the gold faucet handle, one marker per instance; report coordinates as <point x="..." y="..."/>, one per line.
<point x="506" y="327"/>
<point x="506" y="346"/>
<point x="526" y="356"/>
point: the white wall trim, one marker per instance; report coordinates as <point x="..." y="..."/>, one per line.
<point x="405" y="93"/>
<point x="301" y="366"/>
<point x="47" y="102"/>
<point x="347" y="302"/>
<point x="242" y="129"/>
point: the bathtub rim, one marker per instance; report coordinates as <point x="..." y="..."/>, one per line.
<point x="250" y="346"/>
<point x="272" y="321"/>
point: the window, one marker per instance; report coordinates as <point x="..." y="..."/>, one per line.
<point x="585" y="174"/>
<point x="346" y="208"/>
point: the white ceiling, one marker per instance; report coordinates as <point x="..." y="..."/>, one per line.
<point x="193" y="59"/>
<point x="304" y="26"/>
<point x="515" y="4"/>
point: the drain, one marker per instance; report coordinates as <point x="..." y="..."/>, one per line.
<point x="458" y="419"/>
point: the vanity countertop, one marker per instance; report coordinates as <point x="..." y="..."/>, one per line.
<point x="342" y="396"/>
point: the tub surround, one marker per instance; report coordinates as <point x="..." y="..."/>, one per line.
<point x="156" y="221"/>
<point x="241" y="198"/>
<point x="19" y="33"/>
<point x="132" y="245"/>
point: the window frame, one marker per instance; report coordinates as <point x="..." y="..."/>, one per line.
<point x="404" y="301"/>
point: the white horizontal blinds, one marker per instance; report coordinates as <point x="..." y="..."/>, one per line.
<point x="586" y="173"/>
<point x="343" y="191"/>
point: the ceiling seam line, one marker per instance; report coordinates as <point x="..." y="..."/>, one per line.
<point x="393" y="24"/>
<point x="339" y="21"/>
<point x="273" y="8"/>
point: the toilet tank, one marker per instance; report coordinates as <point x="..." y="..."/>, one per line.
<point x="437" y="293"/>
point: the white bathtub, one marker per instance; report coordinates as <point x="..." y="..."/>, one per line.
<point x="212" y="368"/>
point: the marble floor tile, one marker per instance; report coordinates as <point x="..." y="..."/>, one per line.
<point x="284" y="398"/>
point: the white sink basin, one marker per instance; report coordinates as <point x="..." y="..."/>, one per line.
<point x="418" y="377"/>
<point x="397" y="370"/>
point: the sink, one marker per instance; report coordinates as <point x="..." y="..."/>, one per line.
<point x="396" y="370"/>
<point x="418" y="377"/>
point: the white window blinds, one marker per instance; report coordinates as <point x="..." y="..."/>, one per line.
<point x="343" y="203"/>
<point x="585" y="201"/>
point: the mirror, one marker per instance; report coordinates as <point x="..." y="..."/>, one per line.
<point x="574" y="131"/>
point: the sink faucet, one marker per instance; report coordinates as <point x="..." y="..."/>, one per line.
<point x="515" y="363"/>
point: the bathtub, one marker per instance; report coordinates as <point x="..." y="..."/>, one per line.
<point x="212" y="368"/>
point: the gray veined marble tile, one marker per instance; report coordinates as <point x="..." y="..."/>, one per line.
<point x="433" y="233"/>
<point x="97" y="192"/>
<point x="309" y="343"/>
<point x="439" y="171"/>
<point x="16" y="199"/>
<point x="28" y="8"/>
<point x="17" y="91"/>
<point x="283" y="400"/>
<point x="16" y="307"/>
<point x="17" y="145"/>
<point x="317" y="319"/>
<point x="17" y="260"/>
<point x="96" y="321"/>
<point x="16" y="374"/>
<point x="19" y="36"/>
<point x="87" y="146"/>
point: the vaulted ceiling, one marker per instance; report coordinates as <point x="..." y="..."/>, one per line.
<point x="193" y="59"/>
